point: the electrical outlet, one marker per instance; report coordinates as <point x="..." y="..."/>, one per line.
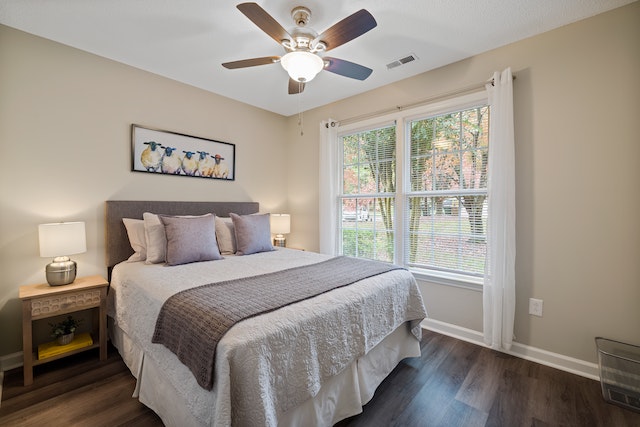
<point x="535" y="307"/>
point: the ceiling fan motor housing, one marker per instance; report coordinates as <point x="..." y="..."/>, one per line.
<point x="301" y="16"/>
<point x="302" y="36"/>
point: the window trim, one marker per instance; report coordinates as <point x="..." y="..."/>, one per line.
<point x="448" y="279"/>
<point x="402" y="120"/>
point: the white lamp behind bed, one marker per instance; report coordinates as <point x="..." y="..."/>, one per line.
<point x="280" y="225"/>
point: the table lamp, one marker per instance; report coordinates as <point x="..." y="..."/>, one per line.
<point x="280" y="224"/>
<point x="59" y="240"/>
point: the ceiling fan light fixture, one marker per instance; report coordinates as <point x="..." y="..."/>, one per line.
<point x="302" y="66"/>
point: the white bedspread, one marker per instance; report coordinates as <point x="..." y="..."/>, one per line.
<point x="271" y="363"/>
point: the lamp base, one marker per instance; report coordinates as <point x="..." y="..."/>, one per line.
<point x="280" y="241"/>
<point x="62" y="271"/>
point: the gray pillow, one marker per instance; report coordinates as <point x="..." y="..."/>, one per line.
<point x="253" y="233"/>
<point x="190" y="239"/>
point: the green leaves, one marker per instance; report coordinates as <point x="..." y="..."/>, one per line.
<point x="65" y="327"/>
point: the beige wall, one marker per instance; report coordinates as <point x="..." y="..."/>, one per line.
<point x="577" y="106"/>
<point x="65" y="118"/>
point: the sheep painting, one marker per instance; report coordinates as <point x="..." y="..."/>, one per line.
<point x="189" y="163"/>
<point x="151" y="157"/>
<point x="170" y="163"/>
<point x="220" y="169"/>
<point x="177" y="154"/>
<point x="205" y="165"/>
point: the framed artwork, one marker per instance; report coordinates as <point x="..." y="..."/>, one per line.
<point x="171" y="153"/>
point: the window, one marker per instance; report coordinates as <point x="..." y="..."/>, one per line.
<point x="414" y="190"/>
<point x="367" y="228"/>
<point x="446" y="207"/>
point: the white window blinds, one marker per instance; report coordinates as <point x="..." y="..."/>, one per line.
<point x="367" y="202"/>
<point x="446" y="203"/>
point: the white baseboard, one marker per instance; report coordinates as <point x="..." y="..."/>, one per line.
<point x="11" y="361"/>
<point x="544" y="357"/>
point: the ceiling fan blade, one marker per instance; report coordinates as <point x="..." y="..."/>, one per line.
<point x="346" y="30"/>
<point x="264" y="21"/>
<point x="347" y="69"/>
<point x="295" y="87"/>
<point x="243" y="63"/>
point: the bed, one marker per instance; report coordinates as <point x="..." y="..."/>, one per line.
<point x="313" y="362"/>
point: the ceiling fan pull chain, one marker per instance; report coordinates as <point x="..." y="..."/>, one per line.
<point x="300" y="114"/>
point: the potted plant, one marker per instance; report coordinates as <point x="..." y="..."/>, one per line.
<point x="64" y="331"/>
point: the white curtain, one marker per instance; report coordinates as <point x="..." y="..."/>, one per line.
<point x="328" y="190"/>
<point x="499" y="280"/>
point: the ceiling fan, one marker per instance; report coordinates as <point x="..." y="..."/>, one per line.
<point x="303" y="45"/>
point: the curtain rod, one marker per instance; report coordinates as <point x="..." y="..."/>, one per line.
<point x="420" y="103"/>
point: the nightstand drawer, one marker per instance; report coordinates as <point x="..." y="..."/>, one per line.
<point x="75" y="301"/>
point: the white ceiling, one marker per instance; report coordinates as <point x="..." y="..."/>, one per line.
<point x="187" y="40"/>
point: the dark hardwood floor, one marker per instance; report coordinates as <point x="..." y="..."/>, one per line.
<point x="453" y="384"/>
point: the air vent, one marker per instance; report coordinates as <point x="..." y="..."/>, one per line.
<point x="404" y="60"/>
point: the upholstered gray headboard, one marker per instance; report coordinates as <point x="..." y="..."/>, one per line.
<point x="116" y="240"/>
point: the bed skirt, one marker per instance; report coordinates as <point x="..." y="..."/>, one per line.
<point x="340" y="397"/>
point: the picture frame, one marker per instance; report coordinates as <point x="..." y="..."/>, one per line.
<point x="172" y="153"/>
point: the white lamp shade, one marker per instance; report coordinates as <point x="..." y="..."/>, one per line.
<point x="280" y="223"/>
<point x="62" y="239"/>
<point x="302" y="66"/>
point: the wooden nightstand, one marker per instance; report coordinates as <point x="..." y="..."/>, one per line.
<point x="41" y="301"/>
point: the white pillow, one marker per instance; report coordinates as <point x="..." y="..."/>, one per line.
<point x="155" y="237"/>
<point x="225" y="234"/>
<point x="137" y="238"/>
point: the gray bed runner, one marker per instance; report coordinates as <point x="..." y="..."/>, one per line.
<point x="192" y="322"/>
